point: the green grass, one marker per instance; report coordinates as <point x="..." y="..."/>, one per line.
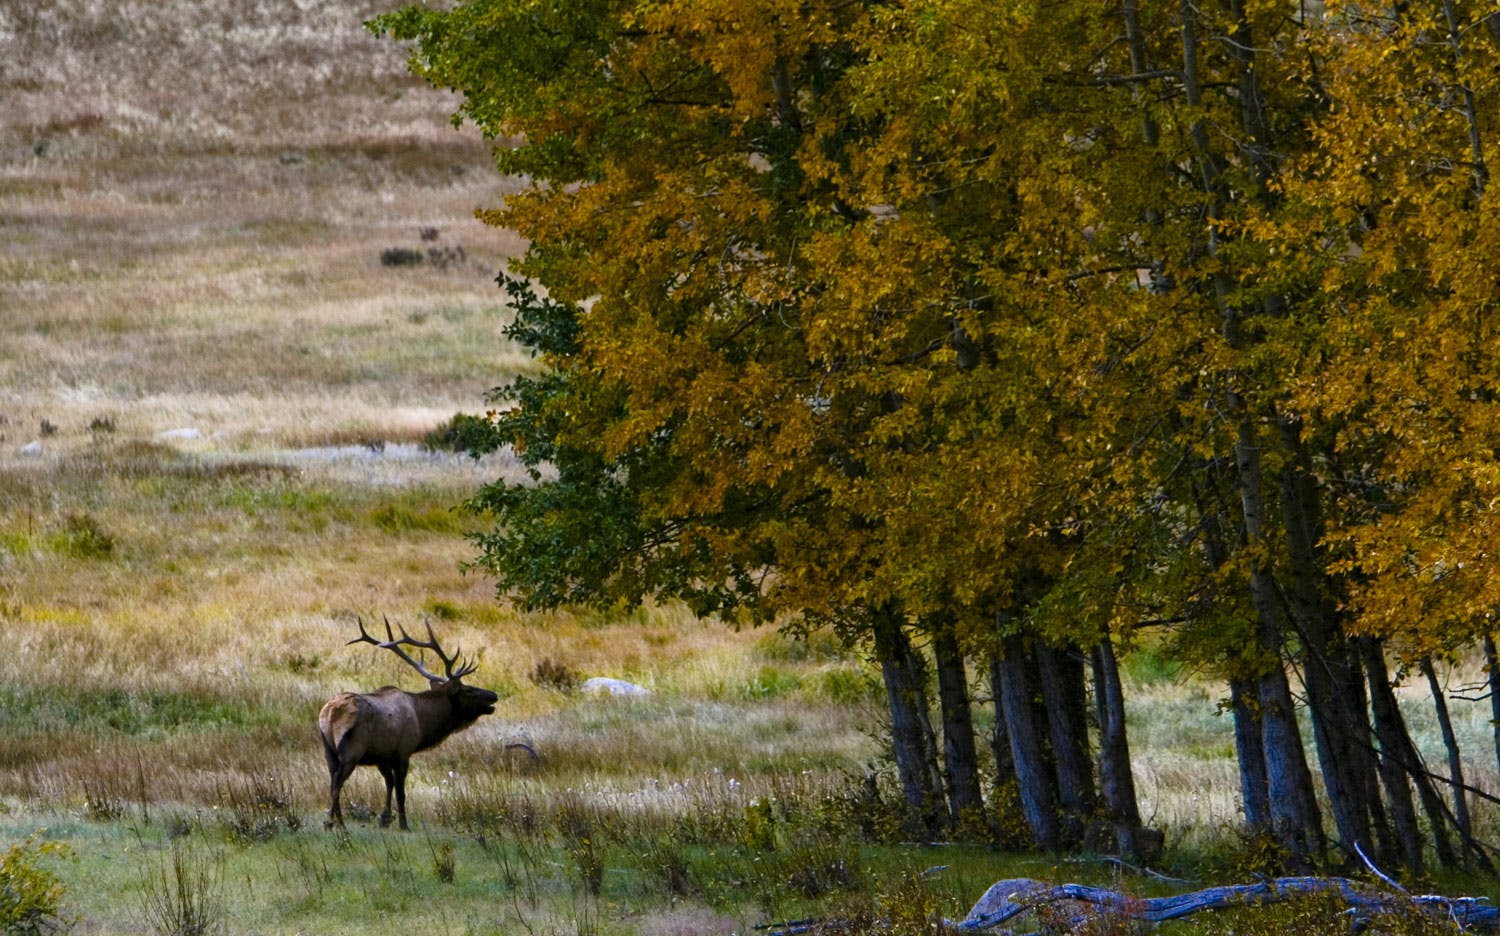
<point x="502" y="877"/>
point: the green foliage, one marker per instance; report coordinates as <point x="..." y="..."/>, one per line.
<point x="847" y="685"/>
<point x="463" y="432"/>
<point x="444" y="862"/>
<point x="443" y="610"/>
<point x="15" y="542"/>
<point x="771" y="682"/>
<point x="758" y="829"/>
<point x="83" y="537"/>
<point x="1318" y="914"/>
<point x="1149" y="666"/>
<point x="130" y="712"/>
<point x="31" y="894"/>
<point x="397" y="518"/>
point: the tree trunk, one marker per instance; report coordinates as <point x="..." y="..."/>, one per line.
<point x="1492" y="672"/>
<point x="1067" y="730"/>
<point x="911" y="743"/>
<point x="1411" y="760"/>
<point x="1340" y="731"/>
<point x="1293" y="808"/>
<point x="1005" y="768"/>
<point x="960" y="757"/>
<point x="1116" y="780"/>
<point x="1392" y="772"/>
<point x="1250" y="751"/>
<point x="1033" y="774"/>
<point x="1461" y="821"/>
<point x="1294" y="811"/>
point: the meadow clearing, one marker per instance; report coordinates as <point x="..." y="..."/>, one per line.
<point x="219" y="360"/>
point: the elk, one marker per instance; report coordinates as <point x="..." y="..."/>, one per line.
<point x="386" y="727"/>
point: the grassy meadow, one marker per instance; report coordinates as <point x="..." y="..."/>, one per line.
<point x="215" y="379"/>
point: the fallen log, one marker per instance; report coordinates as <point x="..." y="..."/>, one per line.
<point x="1066" y="907"/>
<point x="1073" y="904"/>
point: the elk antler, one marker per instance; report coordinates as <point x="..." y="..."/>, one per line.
<point x="394" y="644"/>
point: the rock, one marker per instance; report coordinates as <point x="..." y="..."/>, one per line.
<point x="178" y="435"/>
<point x="31" y="448"/>
<point x="616" y="687"/>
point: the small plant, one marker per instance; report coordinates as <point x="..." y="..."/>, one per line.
<point x="758" y="831"/>
<point x="258" y="809"/>
<point x="101" y="803"/>
<point x="589" y="865"/>
<point x="83" y="537"/>
<point x="1315" y="913"/>
<point x="30" y="894"/>
<point x="462" y="433"/>
<point x="663" y="857"/>
<point x="577" y="827"/>
<point x="400" y="257"/>
<point x="820" y="867"/>
<point x="910" y="906"/>
<point x="444" y="257"/>
<point x="553" y="674"/>
<point x="180" y="895"/>
<point x="444" y="864"/>
<point x="102" y="425"/>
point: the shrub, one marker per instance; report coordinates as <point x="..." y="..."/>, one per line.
<point x="444" y="863"/>
<point x="400" y="257"/>
<point x="30" y="894"/>
<point x="181" y="896"/>
<point x="462" y="433"/>
<point x="552" y="674"/>
<point x="83" y="538"/>
<point x="257" y="809"/>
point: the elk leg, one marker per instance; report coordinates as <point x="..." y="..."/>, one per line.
<point x="339" y="770"/>
<point x="390" y="784"/>
<point x="400" y="772"/>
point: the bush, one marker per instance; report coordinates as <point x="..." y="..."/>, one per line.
<point x="552" y="674"/>
<point x="181" y="895"/>
<point x="83" y="538"/>
<point x="258" y="809"/>
<point x="466" y="433"/>
<point x="400" y="257"/>
<point x="30" y="894"/>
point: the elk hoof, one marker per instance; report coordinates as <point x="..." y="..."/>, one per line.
<point x="385" y="820"/>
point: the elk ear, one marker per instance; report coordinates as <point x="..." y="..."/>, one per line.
<point x="438" y="684"/>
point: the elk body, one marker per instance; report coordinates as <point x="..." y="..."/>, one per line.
<point x="384" y="728"/>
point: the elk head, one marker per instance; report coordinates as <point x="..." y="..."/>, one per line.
<point x="470" y="702"/>
<point x="386" y="727"/>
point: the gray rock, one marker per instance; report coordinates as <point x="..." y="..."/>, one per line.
<point x="616" y="687"/>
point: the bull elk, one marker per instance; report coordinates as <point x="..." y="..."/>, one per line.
<point x="386" y="727"/>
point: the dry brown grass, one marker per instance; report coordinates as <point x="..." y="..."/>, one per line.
<point x="194" y="199"/>
<point x="209" y="387"/>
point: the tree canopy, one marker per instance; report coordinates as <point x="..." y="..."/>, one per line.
<point x="1019" y="324"/>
